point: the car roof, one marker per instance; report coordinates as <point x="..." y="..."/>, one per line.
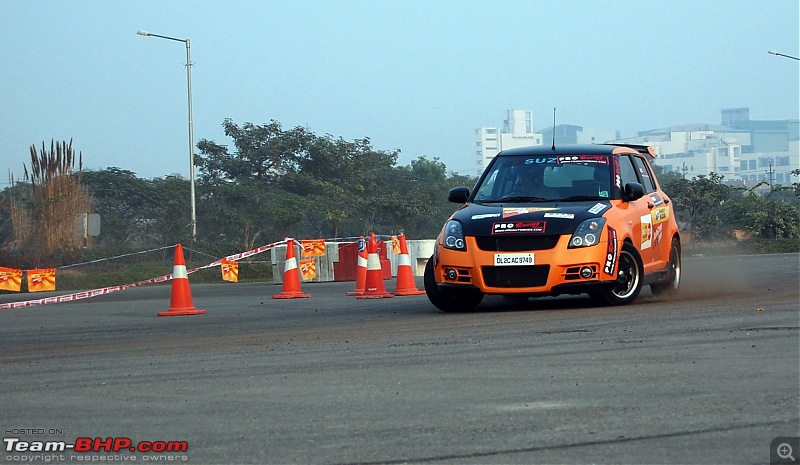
<point x="567" y="149"/>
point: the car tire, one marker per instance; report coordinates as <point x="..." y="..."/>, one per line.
<point x="673" y="282"/>
<point x="452" y="301"/>
<point x="630" y="273"/>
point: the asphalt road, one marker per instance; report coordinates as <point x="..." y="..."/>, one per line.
<point x="710" y="377"/>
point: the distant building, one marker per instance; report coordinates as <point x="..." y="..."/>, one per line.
<point x="746" y="152"/>
<point x="517" y="131"/>
<point x="571" y="134"/>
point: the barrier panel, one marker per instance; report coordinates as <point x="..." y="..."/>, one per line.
<point x="339" y="262"/>
<point x="419" y="251"/>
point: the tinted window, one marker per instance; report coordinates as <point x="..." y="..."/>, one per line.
<point x="626" y="170"/>
<point x="546" y="177"/>
<point x="644" y="174"/>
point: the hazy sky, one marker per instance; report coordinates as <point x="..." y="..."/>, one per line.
<point x="419" y="76"/>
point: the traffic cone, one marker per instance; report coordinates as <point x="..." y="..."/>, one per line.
<point x="181" y="300"/>
<point x="374" y="288"/>
<point x="291" y="276"/>
<point x="361" y="268"/>
<point x="405" y="274"/>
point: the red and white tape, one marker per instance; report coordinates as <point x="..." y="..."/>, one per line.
<point x="111" y="289"/>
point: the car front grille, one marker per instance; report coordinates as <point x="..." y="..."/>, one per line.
<point x="515" y="276"/>
<point x="516" y="244"/>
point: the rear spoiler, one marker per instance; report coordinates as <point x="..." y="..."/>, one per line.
<point x="643" y="149"/>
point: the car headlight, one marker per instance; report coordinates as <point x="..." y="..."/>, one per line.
<point x="454" y="236"/>
<point x="587" y="234"/>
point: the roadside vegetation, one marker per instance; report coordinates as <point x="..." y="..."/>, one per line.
<point x="273" y="183"/>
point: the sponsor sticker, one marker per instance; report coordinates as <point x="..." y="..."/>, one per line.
<point x="647" y="231"/>
<point x="611" y="252"/>
<point x="597" y="208"/>
<point x="657" y="200"/>
<point x="519" y="227"/>
<point x="660" y="215"/>
<point x="658" y="234"/>
<point x="539" y="161"/>
<point x="599" y="159"/>
<point x="509" y="212"/>
<point x="485" y="215"/>
<point x="564" y="216"/>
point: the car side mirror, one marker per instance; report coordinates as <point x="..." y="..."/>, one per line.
<point x="458" y="194"/>
<point x="633" y="191"/>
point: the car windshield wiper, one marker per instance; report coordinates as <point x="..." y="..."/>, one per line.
<point x="523" y="198"/>
<point x="583" y="197"/>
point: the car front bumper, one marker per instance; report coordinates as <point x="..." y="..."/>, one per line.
<point x="557" y="270"/>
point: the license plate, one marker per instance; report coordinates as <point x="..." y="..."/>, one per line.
<point x="513" y="259"/>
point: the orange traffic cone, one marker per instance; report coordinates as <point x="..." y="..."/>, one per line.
<point x="181" y="300"/>
<point x="361" y="268"/>
<point x="405" y="274"/>
<point x="291" y="276"/>
<point x="374" y="288"/>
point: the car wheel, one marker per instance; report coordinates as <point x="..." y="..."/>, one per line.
<point x="673" y="282"/>
<point x="449" y="301"/>
<point x="629" y="277"/>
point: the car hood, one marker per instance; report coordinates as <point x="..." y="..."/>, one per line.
<point x="550" y="218"/>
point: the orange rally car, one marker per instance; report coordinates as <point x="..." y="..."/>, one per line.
<point x="558" y="220"/>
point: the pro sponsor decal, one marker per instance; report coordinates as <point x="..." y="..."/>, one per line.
<point x="617" y="175"/>
<point x="611" y="252"/>
<point x="509" y="212"/>
<point x="563" y="216"/>
<point x="597" y="208"/>
<point x="519" y="227"/>
<point x="647" y="231"/>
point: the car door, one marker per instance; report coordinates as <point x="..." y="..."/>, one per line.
<point x="659" y="211"/>
<point x="639" y="213"/>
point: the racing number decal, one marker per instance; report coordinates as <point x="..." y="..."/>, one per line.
<point x="611" y="251"/>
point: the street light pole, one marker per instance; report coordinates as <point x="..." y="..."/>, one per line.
<point x="773" y="52"/>
<point x="191" y="124"/>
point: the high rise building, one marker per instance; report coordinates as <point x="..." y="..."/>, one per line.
<point x="517" y="131"/>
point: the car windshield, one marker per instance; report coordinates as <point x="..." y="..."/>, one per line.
<point x="542" y="179"/>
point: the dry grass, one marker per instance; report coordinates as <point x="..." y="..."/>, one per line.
<point x="46" y="220"/>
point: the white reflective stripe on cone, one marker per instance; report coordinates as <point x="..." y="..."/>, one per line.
<point x="373" y="262"/>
